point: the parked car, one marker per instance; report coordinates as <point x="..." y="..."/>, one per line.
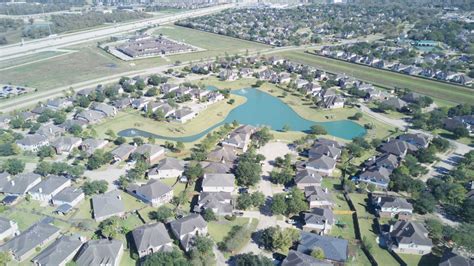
<point x="238" y="213"/>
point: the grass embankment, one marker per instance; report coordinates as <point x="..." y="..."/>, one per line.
<point x="442" y="92"/>
<point x="214" y="114"/>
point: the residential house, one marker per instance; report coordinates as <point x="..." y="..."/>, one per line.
<point x="333" y="102"/>
<point x="296" y="258"/>
<point x="167" y="168"/>
<point x="185" y="229"/>
<point x="151" y="238"/>
<point x="389" y="207"/>
<point x="451" y="258"/>
<point x="318" y="197"/>
<point x="32" y="142"/>
<point x="20" y="184"/>
<point x="107" y="252"/>
<point x="65" y="144"/>
<point x="107" y="205"/>
<point x="60" y="252"/>
<point x="378" y="176"/>
<point x="222" y="154"/>
<point x="284" y="78"/>
<point x="4" y="120"/>
<point x="409" y="237"/>
<point x="152" y="152"/>
<point x="50" y="131"/>
<point x="91" y="145"/>
<point x="48" y="188"/>
<point x="24" y="245"/>
<point x="228" y="75"/>
<point x="386" y="160"/>
<point x="218" y="183"/>
<point x="398" y="147"/>
<point x="8" y="228"/>
<point x="123" y="152"/>
<point x="219" y="202"/>
<point x="306" y="178"/>
<point x="107" y="110"/>
<point x="167" y="88"/>
<point x="140" y="103"/>
<point x="335" y="249"/>
<point x="327" y="150"/>
<point x="154" y="192"/>
<point x="412" y="97"/>
<point x="183" y="115"/>
<point x="421" y="141"/>
<point x="322" y="164"/>
<point x="240" y="137"/>
<point x="216" y="168"/>
<point x="395" y="102"/>
<point x="59" y="103"/>
<point x="70" y="196"/>
<point x="90" y="116"/>
<point x="311" y="89"/>
<point x="318" y="220"/>
<point x="122" y="103"/>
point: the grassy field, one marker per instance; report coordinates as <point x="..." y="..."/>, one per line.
<point x="214" y="114"/>
<point x="219" y="229"/>
<point x="214" y="45"/>
<point x="442" y="91"/>
<point x="28" y="59"/>
<point x="91" y="62"/>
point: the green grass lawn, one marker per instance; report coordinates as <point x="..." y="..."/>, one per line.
<point x="442" y="91"/>
<point x="380" y="254"/>
<point x="28" y="59"/>
<point x="214" y="44"/>
<point x="219" y="229"/>
<point x="131" y="203"/>
<point x="417" y="260"/>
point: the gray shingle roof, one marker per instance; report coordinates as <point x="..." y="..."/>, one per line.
<point x="171" y="164"/>
<point x="107" y="204"/>
<point x="5" y="224"/>
<point x="151" y="149"/>
<point x="59" y="251"/>
<point x="123" y="151"/>
<point x="29" y="239"/>
<point x="334" y="249"/>
<point x="151" y="190"/>
<point x="452" y="259"/>
<point x="99" y="252"/>
<point x="68" y="194"/>
<point x="319" y="216"/>
<point x="307" y="177"/>
<point x="150" y="235"/>
<point x="19" y="184"/>
<point x="215" y="167"/>
<point x="222" y="154"/>
<point x="187" y="224"/>
<point x="48" y="185"/>
<point x="296" y="258"/>
<point x="407" y="232"/>
<point x="32" y="140"/>
<point x="322" y="162"/>
<point x="394" y="202"/>
<point x="218" y="180"/>
<point x="314" y="193"/>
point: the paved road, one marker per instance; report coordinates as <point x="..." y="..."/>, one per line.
<point x="51" y="43"/>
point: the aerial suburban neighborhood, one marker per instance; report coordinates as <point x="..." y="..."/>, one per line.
<point x="221" y="132"/>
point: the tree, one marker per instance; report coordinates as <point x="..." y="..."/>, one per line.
<point x="425" y="203"/>
<point x="120" y="141"/>
<point x="248" y="170"/>
<point x="279" y="204"/>
<point x="248" y="259"/>
<point x="286" y="128"/>
<point x="238" y="235"/>
<point x="173" y="258"/>
<point x="209" y="215"/>
<point x="460" y="132"/>
<point x="179" y="146"/>
<point x="318" y="130"/>
<point x="278" y="239"/>
<point x="138" y="141"/>
<point x="193" y="172"/>
<point x="111" y="134"/>
<point x="13" y="166"/>
<point x="95" y="187"/>
<point x="97" y="159"/>
<point x="262" y="137"/>
<point x="440" y="144"/>
<point x="5" y="257"/>
<point x="110" y="227"/>
<point x="161" y="214"/>
<point x="357" y="116"/>
<point x="45" y="151"/>
<point x="258" y="199"/>
<point x="318" y="253"/>
<point x="43" y="168"/>
<point x="244" y="201"/>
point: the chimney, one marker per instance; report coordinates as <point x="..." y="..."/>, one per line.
<point x="40" y="190"/>
<point x="379" y="199"/>
<point x="391" y="228"/>
<point x="119" y="197"/>
<point x="325" y="190"/>
<point x="12" y="182"/>
<point x="50" y="130"/>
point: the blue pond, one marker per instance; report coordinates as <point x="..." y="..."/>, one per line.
<point x="263" y="109"/>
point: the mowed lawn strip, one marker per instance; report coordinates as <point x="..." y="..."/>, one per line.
<point x="380" y="254"/>
<point x="447" y="92"/>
